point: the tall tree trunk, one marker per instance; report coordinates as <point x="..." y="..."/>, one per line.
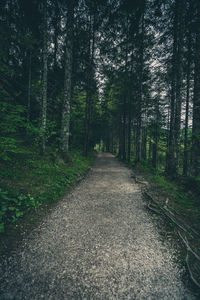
<point x="29" y="88"/>
<point x="129" y="132"/>
<point x="170" y="157"/>
<point x="120" y="135"/>
<point x="185" y="158"/>
<point x="124" y="130"/>
<point x="44" y="82"/>
<point x="179" y="81"/>
<point x="140" y="92"/>
<point x="155" y="153"/>
<point x="150" y="148"/>
<point x="156" y="137"/>
<point x="89" y="88"/>
<point x="67" y="80"/>
<point x="125" y="91"/>
<point x="144" y="144"/>
<point x="56" y="21"/>
<point x="195" y="171"/>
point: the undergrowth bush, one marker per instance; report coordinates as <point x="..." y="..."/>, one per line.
<point x="30" y="180"/>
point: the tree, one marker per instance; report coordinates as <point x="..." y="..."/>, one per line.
<point x="68" y="78"/>
<point x="176" y="88"/>
<point x="196" y="100"/>
<point x="44" y="81"/>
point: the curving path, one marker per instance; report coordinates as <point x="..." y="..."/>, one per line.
<point x="98" y="243"/>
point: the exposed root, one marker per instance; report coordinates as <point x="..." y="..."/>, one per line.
<point x="166" y="211"/>
<point x="153" y="209"/>
<point x="185" y="241"/>
<point x="189" y="269"/>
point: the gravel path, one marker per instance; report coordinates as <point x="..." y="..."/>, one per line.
<point x="98" y="243"/>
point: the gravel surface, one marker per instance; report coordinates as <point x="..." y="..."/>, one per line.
<point x="98" y="243"/>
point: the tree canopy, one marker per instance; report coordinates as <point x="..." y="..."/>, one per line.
<point x="122" y="74"/>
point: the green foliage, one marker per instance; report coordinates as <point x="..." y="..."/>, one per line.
<point x="12" y="117"/>
<point x="32" y="180"/>
<point x="12" y="121"/>
<point x="14" y="205"/>
<point x="33" y="131"/>
<point x="166" y="185"/>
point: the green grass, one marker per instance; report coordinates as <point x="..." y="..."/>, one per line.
<point x="182" y="200"/>
<point x="29" y="180"/>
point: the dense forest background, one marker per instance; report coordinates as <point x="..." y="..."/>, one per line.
<point x="120" y="74"/>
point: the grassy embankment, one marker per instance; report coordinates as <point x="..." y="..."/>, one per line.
<point x="30" y="181"/>
<point x="184" y="194"/>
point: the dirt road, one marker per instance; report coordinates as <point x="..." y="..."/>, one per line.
<point x="98" y="243"/>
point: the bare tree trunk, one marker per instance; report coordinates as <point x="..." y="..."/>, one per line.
<point x="29" y="88"/>
<point x="67" y="80"/>
<point x="179" y="81"/>
<point x="125" y="91"/>
<point x="155" y="153"/>
<point x="120" y="152"/>
<point x="195" y="171"/>
<point x="44" y="83"/>
<point x="150" y="148"/>
<point x="124" y="131"/>
<point x="156" y="137"/>
<point x="129" y="132"/>
<point x="140" y="95"/>
<point x="185" y="158"/>
<point x="170" y="157"/>
<point x="89" y="88"/>
<point x="56" y="21"/>
<point x="144" y="144"/>
<point x="173" y="152"/>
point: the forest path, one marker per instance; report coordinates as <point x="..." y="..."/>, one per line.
<point x="98" y="243"/>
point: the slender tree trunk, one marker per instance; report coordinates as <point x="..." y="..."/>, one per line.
<point x="179" y="81"/>
<point x="144" y="144"/>
<point x="89" y="88"/>
<point x="195" y="171"/>
<point x="144" y="137"/>
<point x="44" y="83"/>
<point x="150" y="146"/>
<point x="67" y="80"/>
<point x="29" y="88"/>
<point x="185" y="158"/>
<point x="129" y="132"/>
<point x="87" y="122"/>
<point x="140" y="94"/>
<point x="155" y="147"/>
<point x="125" y="96"/>
<point x="124" y="132"/>
<point x="56" y="32"/>
<point x="170" y="157"/>
<point x="156" y="137"/>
